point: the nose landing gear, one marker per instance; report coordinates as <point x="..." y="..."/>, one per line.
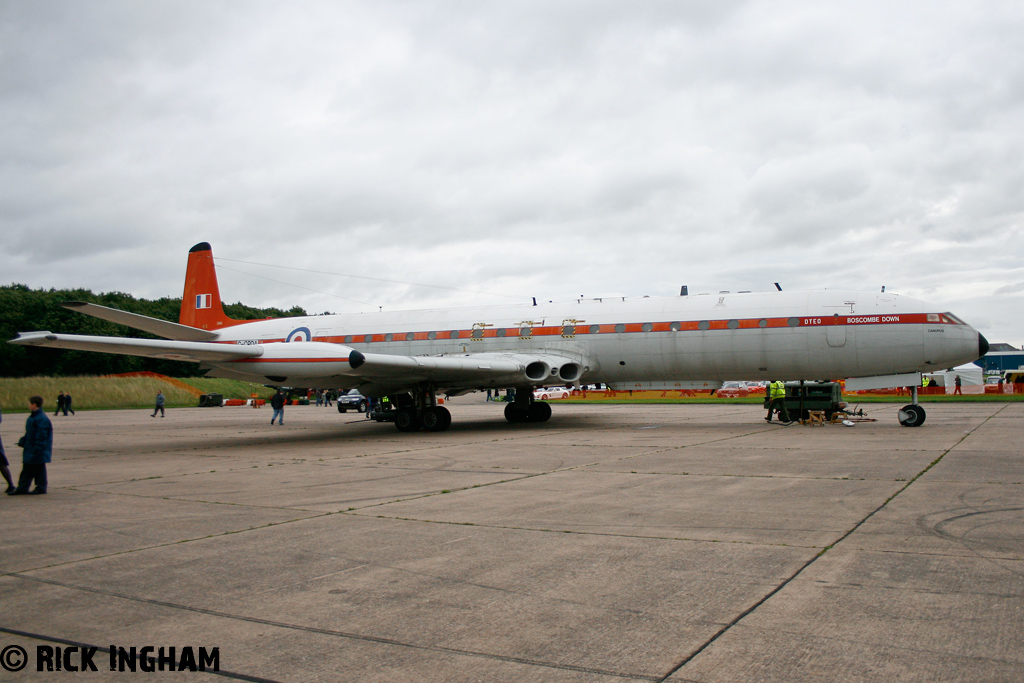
<point x="912" y="415"/>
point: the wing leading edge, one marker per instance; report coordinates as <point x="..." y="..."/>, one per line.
<point x="149" y="348"/>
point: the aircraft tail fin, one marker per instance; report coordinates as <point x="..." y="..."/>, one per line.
<point x="200" y="302"/>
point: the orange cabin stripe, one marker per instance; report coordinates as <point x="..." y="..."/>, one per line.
<point x="475" y="334"/>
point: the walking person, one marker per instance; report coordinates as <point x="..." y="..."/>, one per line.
<point x="277" y="403"/>
<point x="5" y="466"/>
<point x="958" y="383"/>
<point x="777" y="401"/>
<point x="159" y="408"/>
<point x="60" y="404"/>
<point x="67" y="403"/>
<point x="37" y="449"/>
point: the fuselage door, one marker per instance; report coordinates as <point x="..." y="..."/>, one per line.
<point x="835" y="332"/>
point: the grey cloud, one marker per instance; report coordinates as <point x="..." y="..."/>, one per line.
<point x="598" y="146"/>
<point x="1010" y="289"/>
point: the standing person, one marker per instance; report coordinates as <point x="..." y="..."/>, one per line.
<point x="277" y="403"/>
<point x="777" y="401"/>
<point x="37" y="445"/>
<point x="159" y="408"/>
<point x="319" y="397"/>
<point x="327" y="397"/>
<point x="5" y="466"/>
<point x="60" y="404"/>
<point x="67" y="403"/>
<point x="958" y="383"/>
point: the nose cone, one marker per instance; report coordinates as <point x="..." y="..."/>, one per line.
<point x="982" y="345"/>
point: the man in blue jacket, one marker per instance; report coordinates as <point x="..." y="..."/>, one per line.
<point x="277" y="402"/>
<point x="37" y="445"/>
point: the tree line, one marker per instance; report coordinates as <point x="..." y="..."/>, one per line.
<point x="27" y="310"/>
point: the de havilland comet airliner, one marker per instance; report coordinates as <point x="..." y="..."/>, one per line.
<point x="873" y="340"/>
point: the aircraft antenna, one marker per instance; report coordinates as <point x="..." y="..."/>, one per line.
<point x="375" y="279"/>
<point x="292" y="284"/>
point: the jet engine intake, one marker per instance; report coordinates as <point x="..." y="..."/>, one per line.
<point x="570" y="372"/>
<point x="552" y="370"/>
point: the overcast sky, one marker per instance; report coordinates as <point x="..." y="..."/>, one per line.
<point x="517" y="149"/>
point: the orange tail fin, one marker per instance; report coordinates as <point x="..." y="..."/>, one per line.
<point x="200" y="303"/>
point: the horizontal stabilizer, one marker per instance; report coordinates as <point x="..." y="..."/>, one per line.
<point x="149" y="348"/>
<point x="161" y="328"/>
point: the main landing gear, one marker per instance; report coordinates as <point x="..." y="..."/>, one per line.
<point x="525" y="409"/>
<point x="419" y="410"/>
<point x="912" y="415"/>
<point x="430" y="419"/>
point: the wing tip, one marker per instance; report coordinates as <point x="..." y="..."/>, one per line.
<point x="30" y="338"/>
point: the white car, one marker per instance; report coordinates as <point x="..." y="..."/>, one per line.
<point x="544" y="393"/>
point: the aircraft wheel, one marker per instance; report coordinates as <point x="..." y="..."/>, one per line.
<point x="538" y="412"/>
<point x="406" y="420"/>
<point x="515" y="414"/>
<point x="436" y="419"/>
<point x="911" y="416"/>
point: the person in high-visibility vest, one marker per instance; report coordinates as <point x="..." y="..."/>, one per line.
<point x="777" y="401"/>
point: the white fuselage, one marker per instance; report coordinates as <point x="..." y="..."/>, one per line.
<point x="749" y="336"/>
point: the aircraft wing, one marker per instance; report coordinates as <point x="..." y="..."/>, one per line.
<point x="150" y="348"/>
<point x="441" y="370"/>
<point x="311" y="361"/>
<point x="161" y="328"/>
<point x="308" y="361"/>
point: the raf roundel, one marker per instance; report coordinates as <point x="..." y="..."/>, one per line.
<point x="299" y="334"/>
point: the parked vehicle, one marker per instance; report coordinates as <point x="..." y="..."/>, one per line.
<point x="352" y="399"/>
<point x="732" y="390"/>
<point x="545" y="393"/>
